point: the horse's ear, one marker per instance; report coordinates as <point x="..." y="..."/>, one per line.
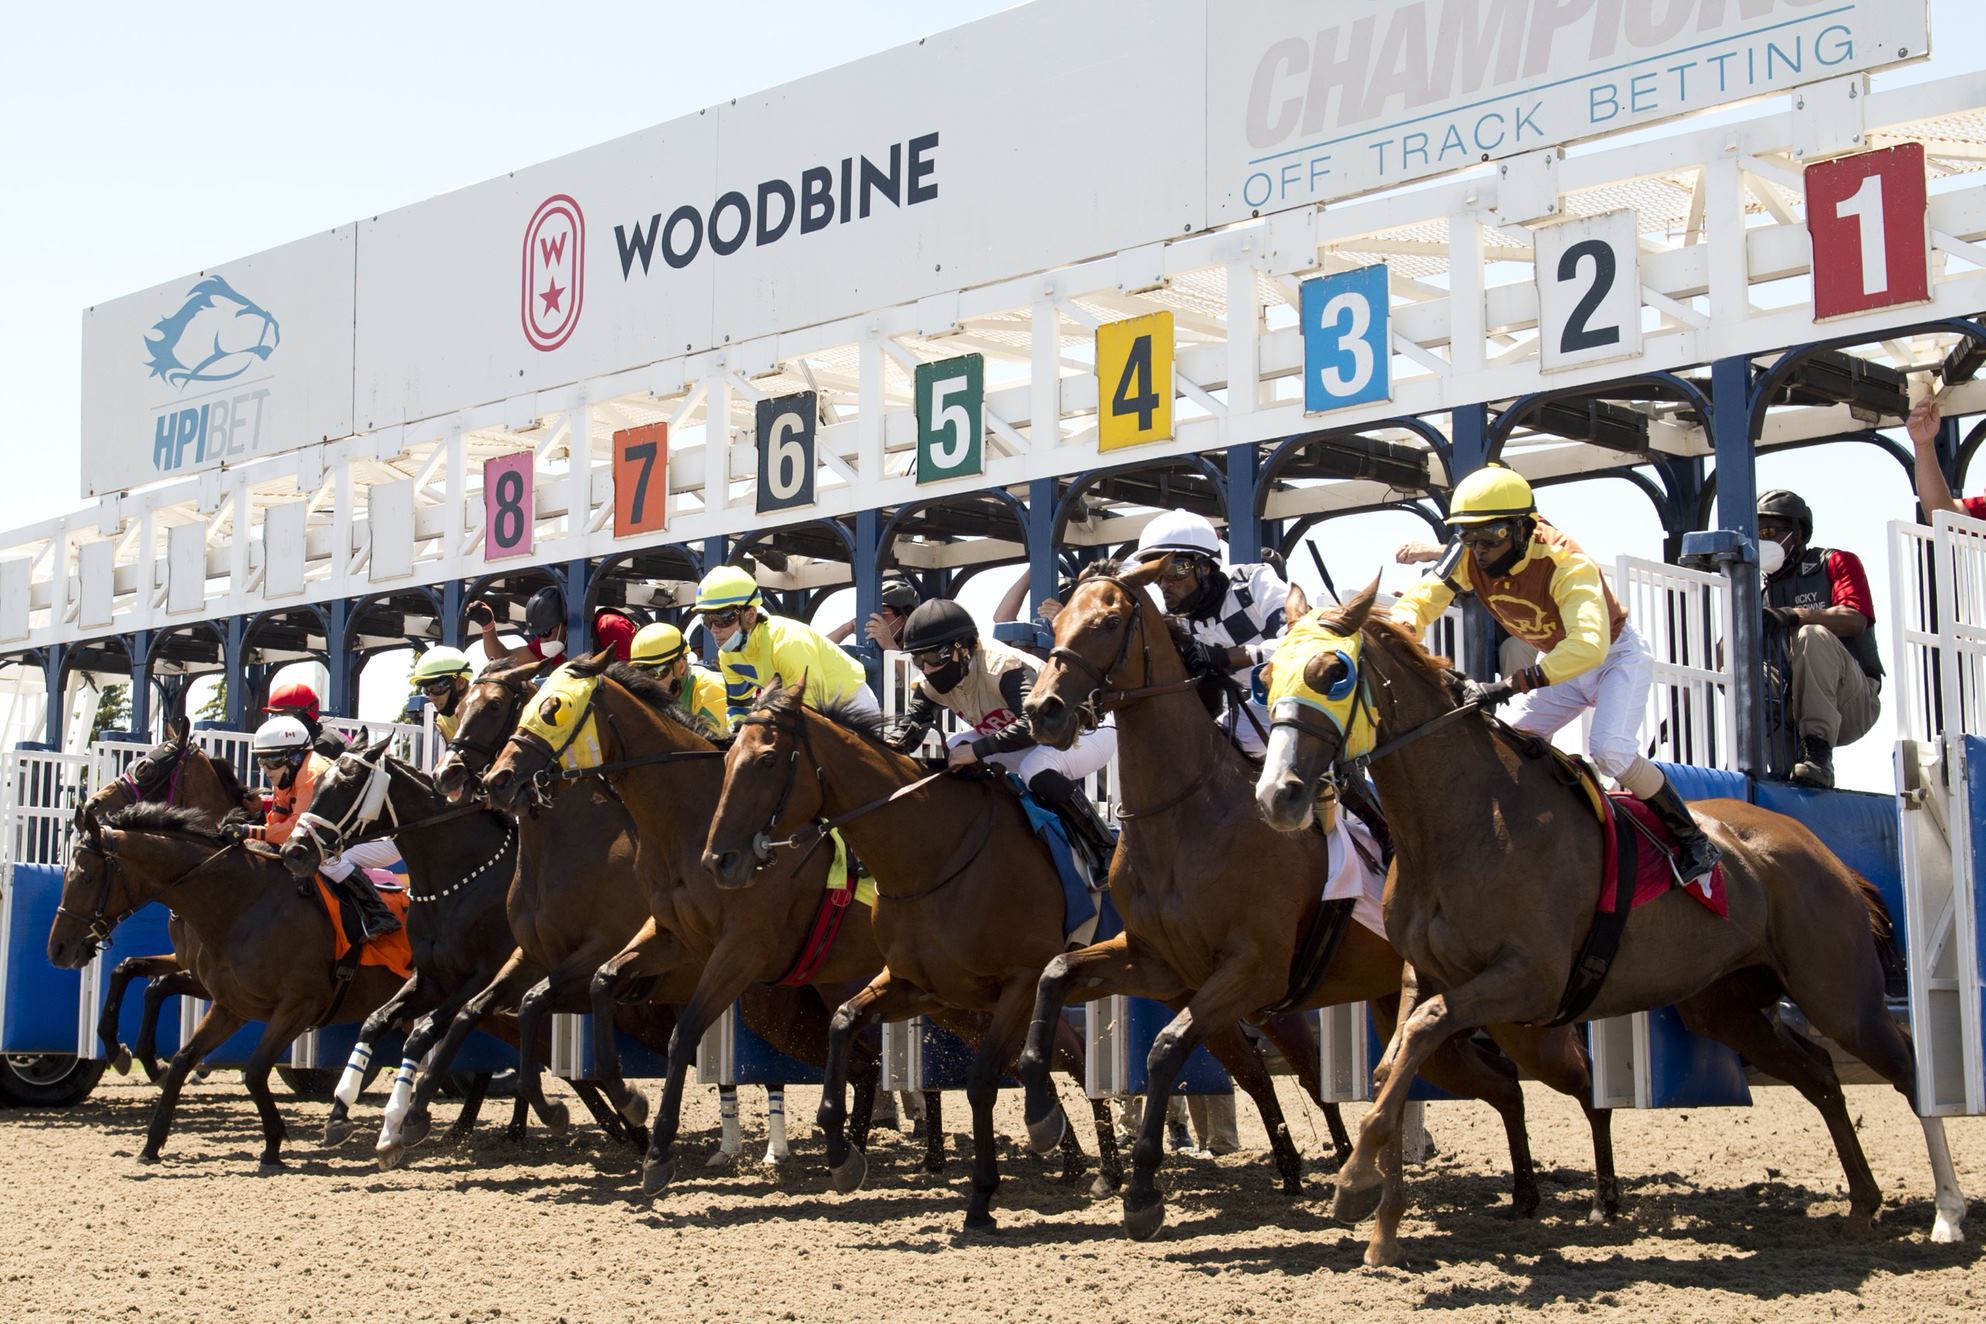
<point x="1145" y="572"/>
<point x="177" y="731"/>
<point x="378" y="748"/>
<point x="1352" y="616"/>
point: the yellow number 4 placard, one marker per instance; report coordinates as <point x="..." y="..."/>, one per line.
<point x="1134" y="381"/>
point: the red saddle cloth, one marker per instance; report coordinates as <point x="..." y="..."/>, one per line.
<point x="1654" y="874"/>
<point x="392" y="951"/>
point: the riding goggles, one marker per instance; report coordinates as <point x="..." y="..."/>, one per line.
<point x="721" y="620"/>
<point x="1493" y="534"/>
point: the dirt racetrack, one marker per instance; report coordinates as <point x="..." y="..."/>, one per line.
<point x="1729" y="1215"/>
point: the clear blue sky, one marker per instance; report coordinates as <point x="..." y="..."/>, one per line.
<point x="142" y="143"/>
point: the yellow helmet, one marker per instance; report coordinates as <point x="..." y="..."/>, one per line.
<point x="656" y="645"/>
<point x="726" y="588"/>
<point x="1491" y="493"/>
<point x="439" y="662"/>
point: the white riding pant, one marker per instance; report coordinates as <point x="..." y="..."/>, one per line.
<point x="1089" y="754"/>
<point x="862" y="702"/>
<point x="1616" y="691"/>
<point x="380" y="854"/>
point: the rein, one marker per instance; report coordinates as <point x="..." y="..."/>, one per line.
<point x="98" y="919"/>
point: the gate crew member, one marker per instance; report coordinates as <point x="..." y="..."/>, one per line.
<point x="661" y="650"/>
<point x="282" y="747"/>
<point x="1819" y="597"/>
<point x="1234" y="612"/>
<point x="544" y="629"/>
<point x="441" y="675"/>
<point x="986" y="684"/>
<point x="753" y="648"/>
<point x="1542" y="588"/>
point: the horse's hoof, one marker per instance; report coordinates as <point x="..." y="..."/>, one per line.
<point x="390" y="1156"/>
<point x="656" y="1174"/>
<point x="269" y="1167"/>
<point x="981" y="1225"/>
<point x="1382" y="1255"/>
<point x="555" y="1117"/>
<point x="149" y="1158"/>
<point x="1104" y="1186"/>
<point x="934" y="1163"/>
<point x="1524" y="1203"/>
<point x="416" y="1128"/>
<point x="721" y="1159"/>
<point x="120" y="1061"/>
<point x="1947" y="1231"/>
<point x="1141" y="1223"/>
<point x="854" y="1170"/>
<point x="1043" y="1136"/>
<point x="1352" y="1206"/>
<point x="635" y="1110"/>
<point x="337" y="1130"/>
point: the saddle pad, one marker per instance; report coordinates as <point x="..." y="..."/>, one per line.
<point x="1079" y="897"/>
<point x="1655" y="871"/>
<point x="1352" y="874"/>
<point x="392" y="951"/>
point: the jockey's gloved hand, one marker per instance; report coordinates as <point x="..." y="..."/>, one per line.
<point x="1786" y="618"/>
<point x="234" y="832"/>
<point x="1487" y="696"/>
<point x="480" y="614"/>
<point x="1201" y="657"/>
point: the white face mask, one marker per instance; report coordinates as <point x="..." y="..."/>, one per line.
<point x="1771" y="558"/>
<point x="552" y="647"/>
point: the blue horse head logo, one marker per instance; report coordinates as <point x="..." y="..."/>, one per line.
<point x="216" y="335"/>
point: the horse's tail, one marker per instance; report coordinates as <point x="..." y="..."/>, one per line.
<point x="1882" y="925"/>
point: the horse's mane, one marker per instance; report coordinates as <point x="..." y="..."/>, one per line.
<point x="1436" y="668"/>
<point x="790" y="702"/>
<point x="644" y="686"/>
<point x="152" y="816"/>
<point x="504" y="668"/>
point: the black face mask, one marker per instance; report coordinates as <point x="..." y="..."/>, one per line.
<point x="946" y="678"/>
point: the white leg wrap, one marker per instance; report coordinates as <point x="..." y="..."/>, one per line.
<point x="734" y="1135"/>
<point x="399" y="1103"/>
<point x="353" y="1080"/>
<point x="775" y="1126"/>
<point x="1950" y="1223"/>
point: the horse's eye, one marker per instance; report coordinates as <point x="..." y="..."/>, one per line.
<point x="768" y="759"/>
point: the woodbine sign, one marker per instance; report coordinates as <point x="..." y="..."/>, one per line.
<point x="1043" y="136"/>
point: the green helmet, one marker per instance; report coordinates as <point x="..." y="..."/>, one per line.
<point x="438" y="664"/>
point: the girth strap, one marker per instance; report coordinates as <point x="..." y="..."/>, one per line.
<point x="1603" y="940"/>
<point x="1314" y="954"/>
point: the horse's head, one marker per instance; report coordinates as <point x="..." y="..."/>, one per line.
<point x="1320" y="710"/>
<point x="559" y="730"/>
<point x="352" y="798"/>
<point x="115" y="867"/>
<point x="214" y="336"/>
<point x="485" y="716"/>
<point x="767" y="794"/>
<point x="1094" y="633"/>
<point x="151" y="777"/>
<point x="83" y="918"/>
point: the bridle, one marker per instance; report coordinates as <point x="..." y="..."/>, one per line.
<point x="330" y="836"/>
<point x="99" y="921"/>
<point x="461" y="743"/>
<point x="540" y="783"/>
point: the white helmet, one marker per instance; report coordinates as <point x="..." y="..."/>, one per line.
<point x="1178" y="531"/>
<point x="281" y="735"/>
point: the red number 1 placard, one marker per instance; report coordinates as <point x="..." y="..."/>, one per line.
<point x="1868" y="217"/>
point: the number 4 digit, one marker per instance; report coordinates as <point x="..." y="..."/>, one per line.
<point x="1146" y="402"/>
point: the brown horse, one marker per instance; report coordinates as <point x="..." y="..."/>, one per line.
<point x="969" y="909"/>
<point x="265" y="949"/>
<point x="1498" y="877"/>
<point x="175" y="772"/>
<point x="1216" y="903"/>
<point x="700" y="945"/>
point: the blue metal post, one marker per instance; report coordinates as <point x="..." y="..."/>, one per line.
<point x="715" y="549"/>
<point x="1737" y="508"/>
<point x="1469" y="451"/>
<point x="52" y="679"/>
<point x="140" y="645"/>
<point x="234" y="671"/>
<point x="1042" y="496"/>
<point x="1244" y="526"/>
<point x="868" y="577"/>
<point x="338" y="660"/>
<point x="578" y="620"/>
<point x="451" y="613"/>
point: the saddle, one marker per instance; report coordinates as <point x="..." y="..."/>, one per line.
<point x="392" y="951"/>
<point x="1080" y="844"/>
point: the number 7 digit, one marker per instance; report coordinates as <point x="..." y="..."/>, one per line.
<point x="645" y="452"/>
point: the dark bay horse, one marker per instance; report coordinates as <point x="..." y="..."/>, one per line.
<point x="1216" y="902"/>
<point x="969" y="909"/>
<point x="1497" y="879"/>
<point x="700" y="945"/>
<point x="265" y="948"/>
<point x="460" y="861"/>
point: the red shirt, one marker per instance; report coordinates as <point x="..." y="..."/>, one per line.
<point x="1850" y="583"/>
<point x="1975" y="506"/>
<point x="610" y="630"/>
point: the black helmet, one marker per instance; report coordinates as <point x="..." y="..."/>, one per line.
<point x="937" y="623"/>
<point x="545" y="612"/>
<point x="1788" y="506"/>
<point x="898" y="594"/>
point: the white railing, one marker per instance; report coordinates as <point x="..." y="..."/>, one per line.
<point x="1684" y="616"/>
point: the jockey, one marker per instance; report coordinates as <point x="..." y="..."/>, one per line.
<point x="1542" y="588"/>
<point x="661" y="650"/>
<point x="283" y="749"/>
<point x="1233" y="612"/>
<point x="753" y="648"/>
<point x="442" y="675"/>
<point x="298" y="700"/>
<point x="544" y="628"/>
<point x="986" y="683"/>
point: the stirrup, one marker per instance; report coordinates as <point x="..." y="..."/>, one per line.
<point x="1696" y="859"/>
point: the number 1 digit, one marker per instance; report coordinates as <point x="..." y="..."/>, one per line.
<point x="1865" y="204"/>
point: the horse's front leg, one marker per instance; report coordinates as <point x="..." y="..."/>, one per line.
<point x="338" y="1122"/>
<point x="997" y="1048"/>
<point x="724" y="977"/>
<point x="135" y="967"/>
<point x="651" y="952"/>
<point x="212" y="1032"/>
<point x="173" y="984"/>
<point x="278" y="1033"/>
<point x="885" y="999"/>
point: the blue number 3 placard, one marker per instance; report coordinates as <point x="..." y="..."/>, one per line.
<point x="1347" y="358"/>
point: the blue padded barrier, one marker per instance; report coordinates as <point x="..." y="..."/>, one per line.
<point x="40" y="1002"/>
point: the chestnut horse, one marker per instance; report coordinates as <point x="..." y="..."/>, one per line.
<point x="1498" y="877"/>
<point x="701" y="945"/>
<point x="265" y="945"/>
<point x="173" y="772"/>
<point x="1216" y="903"/>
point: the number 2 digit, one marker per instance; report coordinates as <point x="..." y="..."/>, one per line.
<point x="1577" y="335"/>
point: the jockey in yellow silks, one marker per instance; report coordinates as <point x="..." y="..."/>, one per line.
<point x="661" y="651"/>
<point x="754" y="648"/>
<point x="1542" y="588"/>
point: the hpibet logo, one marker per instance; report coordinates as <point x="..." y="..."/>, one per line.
<point x="215" y="336"/>
<point x="554" y="284"/>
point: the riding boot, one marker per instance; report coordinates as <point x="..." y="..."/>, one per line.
<point x="375" y="919"/>
<point x="1816" y="765"/>
<point x="1086" y="830"/>
<point x="1696" y="853"/>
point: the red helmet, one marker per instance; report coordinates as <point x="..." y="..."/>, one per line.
<point x="293" y="697"/>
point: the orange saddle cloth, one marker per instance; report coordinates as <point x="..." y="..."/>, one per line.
<point x="392" y="951"/>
